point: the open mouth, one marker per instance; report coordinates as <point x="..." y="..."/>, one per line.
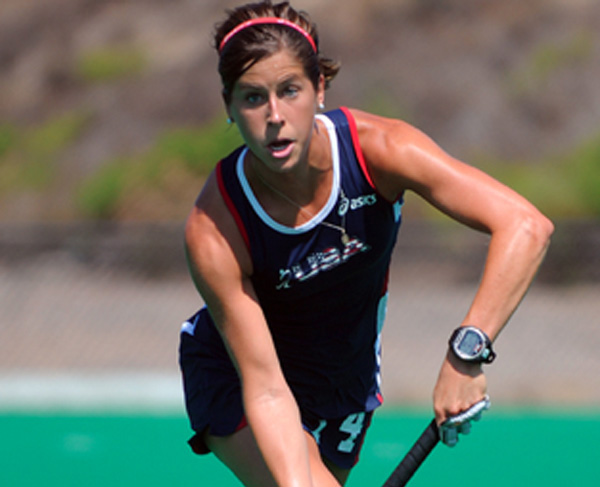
<point x="281" y="147"/>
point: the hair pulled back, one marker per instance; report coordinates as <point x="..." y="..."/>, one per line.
<point x="257" y="42"/>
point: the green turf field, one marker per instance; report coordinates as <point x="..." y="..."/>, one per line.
<point x="508" y="447"/>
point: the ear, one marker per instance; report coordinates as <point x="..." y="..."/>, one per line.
<point x="321" y="90"/>
<point x="228" y="112"/>
<point x="226" y="103"/>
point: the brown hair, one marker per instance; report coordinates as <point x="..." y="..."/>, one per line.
<point x="254" y="43"/>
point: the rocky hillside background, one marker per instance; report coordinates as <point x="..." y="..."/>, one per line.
<point x="88" y="87"/>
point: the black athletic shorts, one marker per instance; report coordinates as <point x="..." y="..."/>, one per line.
<point x="214" y="404"/>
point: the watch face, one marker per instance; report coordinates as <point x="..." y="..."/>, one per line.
<point x="471" y="344"/>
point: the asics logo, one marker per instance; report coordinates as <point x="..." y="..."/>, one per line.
<point x="356" y="203"/>
<point x="366" y="200"/>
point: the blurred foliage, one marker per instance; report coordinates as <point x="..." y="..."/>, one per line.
<point x="99" y="196"/>
<point x="552" y="56"/>
<point x="549" y="57"/>
<point x="7" y="138"/>
<point x="197" y="148"/>
<point x="110" y="63"/>
<point x="193" y="151"/>
<point x="566" y="186"/>
<point x="29" y="156"/>
<point x="585" y="165"/>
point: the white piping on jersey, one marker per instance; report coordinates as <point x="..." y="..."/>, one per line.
<point x="322" y="214"/>
<point x="190" y="327"/>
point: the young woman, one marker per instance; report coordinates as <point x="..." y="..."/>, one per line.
<point x="289" y="244"/>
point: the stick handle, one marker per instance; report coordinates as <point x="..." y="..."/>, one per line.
<point x="415" y="457"/>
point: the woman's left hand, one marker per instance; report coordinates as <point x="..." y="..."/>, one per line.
<point x="460" y="385"/>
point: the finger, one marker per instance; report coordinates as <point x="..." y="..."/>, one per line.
<point x="464" y="428"/>
<point x="461" y="423"/>
<point x="449" y="435"/>
<point x="474" y="412"/>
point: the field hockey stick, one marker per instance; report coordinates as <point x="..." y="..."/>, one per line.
<point x="415" y="457"/>
<point x="429" y="438"/>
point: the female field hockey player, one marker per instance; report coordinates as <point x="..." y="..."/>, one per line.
<point x="289" y="244"/>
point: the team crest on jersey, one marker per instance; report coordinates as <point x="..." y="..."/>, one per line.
<point x="318" y="262"/>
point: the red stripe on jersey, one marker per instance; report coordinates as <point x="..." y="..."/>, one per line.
<point x="242" y="425"/>
<point x="231" y="206"/>
<point x="356" y="144"/>
<point x="358" y="150"/>
<point x="384" y="289"/>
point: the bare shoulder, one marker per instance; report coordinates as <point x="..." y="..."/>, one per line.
<point x="377" y="132"/>
<point x="214" y="244"/>
<point x="400" y="157"/>
<point x="391" y="148"/>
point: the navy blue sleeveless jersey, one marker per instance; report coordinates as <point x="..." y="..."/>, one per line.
<point x="324" y="299"/>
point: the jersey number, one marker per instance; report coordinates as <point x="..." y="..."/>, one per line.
<point x="352" y="425"/>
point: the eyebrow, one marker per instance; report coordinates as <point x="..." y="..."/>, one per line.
<point x="251" y="86"/>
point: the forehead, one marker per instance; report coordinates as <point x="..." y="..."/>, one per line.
<point x="274" y="68"/>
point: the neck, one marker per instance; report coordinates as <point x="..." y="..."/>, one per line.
<point x="295" y="196"/>
<point x="306" y="181"/>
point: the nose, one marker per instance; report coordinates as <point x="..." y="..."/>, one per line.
<point x="273" y="111"/>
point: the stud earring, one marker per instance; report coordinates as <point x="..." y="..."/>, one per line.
<point x="321" y="105"/>
<point x="229" y="121"/>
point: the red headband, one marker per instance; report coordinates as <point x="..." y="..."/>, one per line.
<point x="266" y="20"/>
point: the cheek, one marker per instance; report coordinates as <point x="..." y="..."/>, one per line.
<point x="308" y="117"/>
<point x="249" y="129"/>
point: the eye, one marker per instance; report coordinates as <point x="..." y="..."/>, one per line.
<point x="291" y="91"/>
<point x="254" y="98"/>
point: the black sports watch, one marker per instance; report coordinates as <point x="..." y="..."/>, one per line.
<point x="470" y="344"/>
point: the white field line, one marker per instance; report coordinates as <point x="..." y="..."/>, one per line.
<point x="91" y="391"/>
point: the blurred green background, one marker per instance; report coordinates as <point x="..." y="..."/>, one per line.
<point x="110" y="120"/>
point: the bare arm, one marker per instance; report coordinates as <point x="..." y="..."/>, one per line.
<point x="220" y="267"/>
<point x="400" y="158"/>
